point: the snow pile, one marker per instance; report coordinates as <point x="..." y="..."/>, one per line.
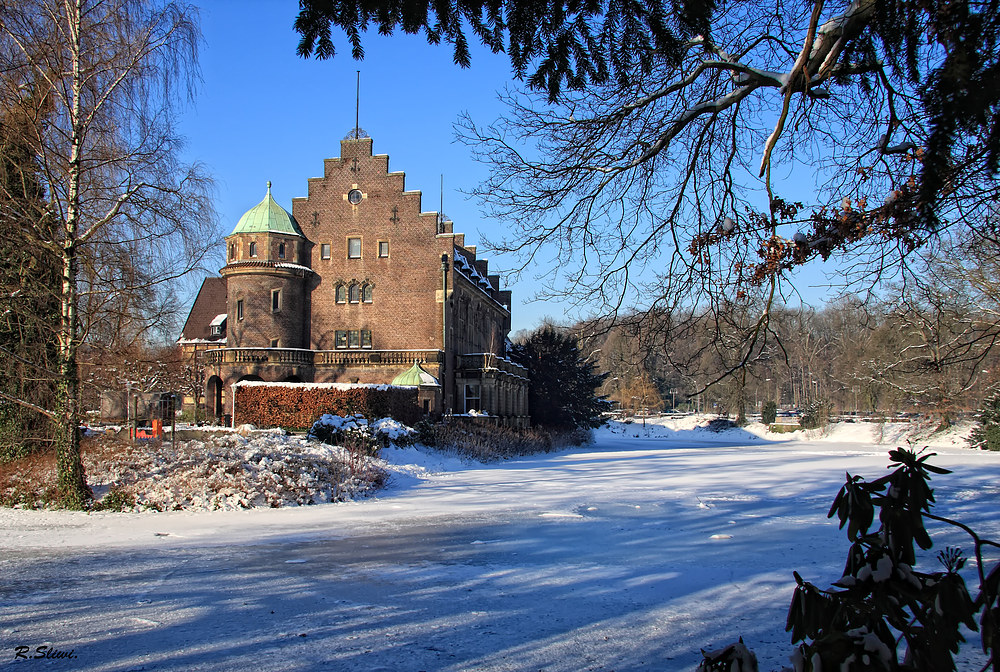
<point x="229" y="471"/>
<point x="699" y="427"/>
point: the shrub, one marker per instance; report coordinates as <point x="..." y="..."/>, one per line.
<point x="721" y="424"/>
<point x="297" y="405"/>
<point x="115" y="500"/>
<point x="986" y="434"/>
<point x="769" y="413"/>
<point x="487" y="442"/>
<point x="815" y="414"/>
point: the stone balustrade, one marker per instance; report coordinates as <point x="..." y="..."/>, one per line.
<point x="320" y="358"/>
<point x="489" y="360"/>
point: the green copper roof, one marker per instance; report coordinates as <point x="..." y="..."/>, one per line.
<point x="268" y="216"/>
<point x="415" y="375"/>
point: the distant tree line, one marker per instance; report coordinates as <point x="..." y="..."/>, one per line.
<point x="922" y="346"/>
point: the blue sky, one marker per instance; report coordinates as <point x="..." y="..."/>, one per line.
<point x="262" y="113"/>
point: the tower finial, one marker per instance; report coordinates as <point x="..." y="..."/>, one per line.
<point x="357" y="108"/>
<point x="269" y="186"/>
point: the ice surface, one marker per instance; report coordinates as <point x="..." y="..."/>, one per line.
<point x="631" y="553"/>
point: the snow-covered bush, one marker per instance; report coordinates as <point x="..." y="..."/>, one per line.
<point x="986" y="434"/>
<point x="355" y="431"/>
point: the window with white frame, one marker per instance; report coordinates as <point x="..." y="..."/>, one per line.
<point x="353" y="248"/>
<point x="472" y="397"/>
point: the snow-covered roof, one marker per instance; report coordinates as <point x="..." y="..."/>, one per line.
<point x="317" y="386"/>
<point x="219" y="319"/>
<point x="469" y="271"/>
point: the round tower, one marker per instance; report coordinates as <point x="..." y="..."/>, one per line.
<point x="265" y="272"/>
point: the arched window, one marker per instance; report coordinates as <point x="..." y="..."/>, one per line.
<point x="354" y="293"/>
<point x="341" y="294"/>
<point x="366" y="293"/>
<point x="232" y="250"/>
<point x="253" y="249"/>
<point x="281" y="250"/>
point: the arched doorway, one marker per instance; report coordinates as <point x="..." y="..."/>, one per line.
<point x="214" y="401"/>
<point x="292" y="379"/>
<point x="250" y="377"/>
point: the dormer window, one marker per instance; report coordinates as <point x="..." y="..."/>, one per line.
<point x="218" y="325"/>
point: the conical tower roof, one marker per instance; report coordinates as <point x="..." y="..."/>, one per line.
<point x="415" y="376"/>
<point x="268" y="216"/>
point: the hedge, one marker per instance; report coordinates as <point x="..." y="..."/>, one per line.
<point x="298" y="405"/>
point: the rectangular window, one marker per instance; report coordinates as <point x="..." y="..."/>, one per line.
<point x="324" y="251"/>
<point x="353" y="248"/>
<point x="274" y="342"/>
<point x="239" y="309"/>
<point x="366" y="338"/>
<point x="353" y="339"/>
<point x="472" y="398"/>
<point x="383" y="248"/>
<point x="340" y="339"/>
<point x="275" y="300"/>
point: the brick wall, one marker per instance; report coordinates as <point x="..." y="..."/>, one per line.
<point x="404" y="312"/>
<point x="260" y="324"/>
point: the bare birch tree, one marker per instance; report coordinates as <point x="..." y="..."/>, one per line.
<point x="112" y="73"/>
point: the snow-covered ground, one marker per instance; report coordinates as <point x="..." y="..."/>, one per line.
<point x="631" y="553"/>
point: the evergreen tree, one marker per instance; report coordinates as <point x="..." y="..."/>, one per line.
<point x="986" y="434"/>
<point x="563" y="383"/>
<point x="769" y="413"/>
<point x="571" y="44"/>
<point x="29" y="283"/>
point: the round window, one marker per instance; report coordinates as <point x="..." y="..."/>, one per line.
<point x="354" y="196"/>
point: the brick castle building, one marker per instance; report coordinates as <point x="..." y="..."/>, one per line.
<point x="357" y="284"/>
